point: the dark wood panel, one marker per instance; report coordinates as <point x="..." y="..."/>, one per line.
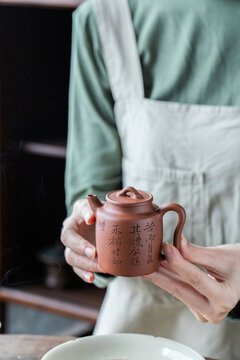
<point x="71" y="4"/>
<point x="35" y="53"/>
<point x="34" y="216"/>
<point x="7" y="187"/>
<point x="52" y="148"/>
<point x="2" y="318"/>
<point x="82" y="303"/>
<point x="35" y="46"/>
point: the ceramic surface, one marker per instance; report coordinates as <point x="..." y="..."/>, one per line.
<point x="122" y="347"/>
<point x="129" y="231"/>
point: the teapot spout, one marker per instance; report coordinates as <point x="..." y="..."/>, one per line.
<point x="94" y="203"/>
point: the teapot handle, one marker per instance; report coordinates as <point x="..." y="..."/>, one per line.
<point x="181" y="221"/>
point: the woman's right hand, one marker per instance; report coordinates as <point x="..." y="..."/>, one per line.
<point x="78" y="235"/>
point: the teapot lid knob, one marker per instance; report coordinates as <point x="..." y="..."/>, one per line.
<point x="129" y="196"/>
<point x="130" y="192"/>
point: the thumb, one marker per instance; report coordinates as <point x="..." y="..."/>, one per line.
<point x="205" y="256"/>
<point x="82" y="211"/>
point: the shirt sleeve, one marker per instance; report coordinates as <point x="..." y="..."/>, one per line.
<point x="93" y="162"/>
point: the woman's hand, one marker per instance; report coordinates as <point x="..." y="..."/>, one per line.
<point x="78" y="235"/>
<point x="209" y="293"/>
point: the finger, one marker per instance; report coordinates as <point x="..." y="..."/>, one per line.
<point x="82" y="210"/>
<point x="180" y="289"/>
<point x="199" y="316"/>
<point x="219" y="307"/>
<point x="84" y="275"/>
<point x="174" y="275"/>
<point x="167" y="266"/>
<point x="191" y="274"/>
<point x="195" y="301"/>
<point x="71" y="239"/>
<point x="205" y="256"/>
<point x="81" y="262"/>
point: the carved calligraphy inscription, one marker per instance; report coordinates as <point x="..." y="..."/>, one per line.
<point x="134" y="242"/>
<point x="149" y="227"/>
<point x="101" y="224"/>
<point x="115" y="242"/>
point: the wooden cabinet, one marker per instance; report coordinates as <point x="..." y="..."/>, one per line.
<point x="35" y="46"/>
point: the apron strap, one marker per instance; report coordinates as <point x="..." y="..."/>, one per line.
<point x="119" y="45"/>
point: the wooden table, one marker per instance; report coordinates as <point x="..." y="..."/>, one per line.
<point x="29" y="347"/>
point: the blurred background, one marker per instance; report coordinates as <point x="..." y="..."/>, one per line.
<point x="39" y="294"/>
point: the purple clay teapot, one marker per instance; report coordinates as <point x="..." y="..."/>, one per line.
<point x="129" y="231"/>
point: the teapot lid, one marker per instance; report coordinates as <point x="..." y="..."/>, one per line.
<point x="129" y="196"/>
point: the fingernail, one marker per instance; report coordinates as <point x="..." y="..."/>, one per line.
<point x="167" y="249"/>
<point x="89" y="277"/>
<point x="90" y="252"/>
<point x="90" y="219"/>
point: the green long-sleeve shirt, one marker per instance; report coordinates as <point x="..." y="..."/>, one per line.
<point x="189" y="52"/>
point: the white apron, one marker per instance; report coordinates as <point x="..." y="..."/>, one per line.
<point x="187" y="154"/>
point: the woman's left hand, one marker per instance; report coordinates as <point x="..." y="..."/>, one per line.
<point x="209" y="293"/>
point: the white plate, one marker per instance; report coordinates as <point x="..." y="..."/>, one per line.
<point x="122" y="347"/>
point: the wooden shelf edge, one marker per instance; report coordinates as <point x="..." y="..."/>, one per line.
<point x="62" y="4"/>
<point x="63" y="308"/>
<point x="56" y="150"/>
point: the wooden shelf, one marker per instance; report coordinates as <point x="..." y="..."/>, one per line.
<point x="35" y="99"/>
<point x="56" y="149"/>
<point x="82" y="303"/>
<point x="65" y="4"/>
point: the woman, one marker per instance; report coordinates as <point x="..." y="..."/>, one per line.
<point x="154" y="98"/>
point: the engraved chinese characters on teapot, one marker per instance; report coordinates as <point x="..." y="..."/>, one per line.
<point x="129" y="231"/>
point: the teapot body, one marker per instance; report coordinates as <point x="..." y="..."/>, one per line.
<point x="128" y="238"/>
<point x="129" y="231"/>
